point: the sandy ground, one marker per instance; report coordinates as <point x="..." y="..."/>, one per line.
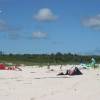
<point x="42" y="84"/>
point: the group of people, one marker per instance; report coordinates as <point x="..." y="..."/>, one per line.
<point x="76" y="70"/>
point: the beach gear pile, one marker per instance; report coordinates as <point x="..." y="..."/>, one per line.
<point x="71" y="71"/>
<point x="4" y="67"/>
<point x="92" y="64"/>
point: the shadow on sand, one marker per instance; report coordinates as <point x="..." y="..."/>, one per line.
<point x="51" y="77"/>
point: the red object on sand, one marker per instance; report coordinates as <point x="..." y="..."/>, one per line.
<point x="2" y="67"/>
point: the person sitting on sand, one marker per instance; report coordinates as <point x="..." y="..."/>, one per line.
<point x="17" y="67"/>
<point x="73" y="71"/>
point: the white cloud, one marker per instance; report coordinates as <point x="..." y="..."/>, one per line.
<point x="6" y="0"/>
<point x="6" y="27"/>
<point x="12" y="32"/>
<point x="93" y="52"/>
<point x="45" y="14"/>
<point x="92" y="22"/>
<point x="39" y="34"/>
<point x="3" y="25"/>
<point x="1" y="11"/>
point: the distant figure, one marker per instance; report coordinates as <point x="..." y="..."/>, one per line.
<point x="17" y="67"/>
<point x="81" y="61"/>
<point x="61" y="67"/>
<point x="93" y="62"/>
<point x="48" y="66"/>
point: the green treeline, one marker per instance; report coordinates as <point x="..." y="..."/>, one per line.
<point x="58" y="58"/>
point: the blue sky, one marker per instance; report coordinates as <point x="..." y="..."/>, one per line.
<point x="50" y="26"/>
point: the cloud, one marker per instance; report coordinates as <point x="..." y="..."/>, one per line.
<point x="96" y="51"/>
<point x="3" y="26"/>
<point x="92" y="22"/>
<point x="6" y="0"/>
<point x="93" y="52"/>
<point x="12" y="32"/>
<point x="45" y="14"/>
<point x="1" y="11"/>
<point x="39" y="35"/>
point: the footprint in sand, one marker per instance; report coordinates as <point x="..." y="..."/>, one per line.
<point x="32" y="98"/>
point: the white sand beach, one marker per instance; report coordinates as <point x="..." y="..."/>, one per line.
<point x="42" y="84"/>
